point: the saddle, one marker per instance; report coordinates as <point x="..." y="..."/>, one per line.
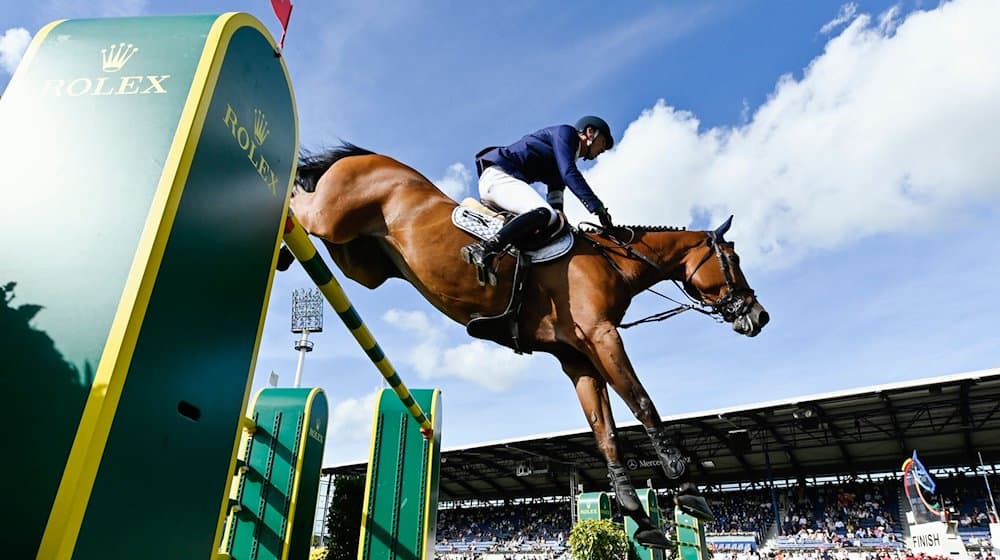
<point x="482" y="222"/>
<point x="474" y="218"/>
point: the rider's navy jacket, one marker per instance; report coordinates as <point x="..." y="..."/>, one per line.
<point x="547" y="156"/>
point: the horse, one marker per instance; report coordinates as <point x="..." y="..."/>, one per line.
<point x="379" y="218"/>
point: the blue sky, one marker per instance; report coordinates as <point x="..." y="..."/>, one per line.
<point x="854" y="142"/>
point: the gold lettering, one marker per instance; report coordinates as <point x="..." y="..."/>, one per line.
<point x="230" y="118"/>
<point x="252" y="152"/>
<point x="273" y="183"/>
<point x="74" y="91"/>
<point x="53" y="86"/>
<point x="264" y="169"/>
<point x="129" y="85"/>
<point x="154" y="84"/>
<point x="245" y="140"/>
<point x="240" y="135"/>
<point x="100" y="85"/>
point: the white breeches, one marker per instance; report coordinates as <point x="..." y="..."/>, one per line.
<point x="510" y="193"/>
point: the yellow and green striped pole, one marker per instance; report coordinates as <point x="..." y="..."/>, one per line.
<point x="298" y="242"/>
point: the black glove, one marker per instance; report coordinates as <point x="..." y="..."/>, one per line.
<point x="604" y="217"/>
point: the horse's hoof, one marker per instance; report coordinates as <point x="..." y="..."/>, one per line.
<point x="695" y="506"/>
<point x="285" y="259"/>
<point x="653" y="538"/>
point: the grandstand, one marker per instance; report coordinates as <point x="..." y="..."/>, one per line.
<point x="814" y="473"/>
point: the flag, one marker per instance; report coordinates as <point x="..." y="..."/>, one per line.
<point x="282" y="9"/>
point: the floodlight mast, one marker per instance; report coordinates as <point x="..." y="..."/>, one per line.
<point x="307" y="317"/>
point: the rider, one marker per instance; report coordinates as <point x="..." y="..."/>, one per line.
<point x="547" y="156"/>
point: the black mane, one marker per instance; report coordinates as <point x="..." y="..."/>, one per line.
<point x="590" y="229"/>
<point x="655" y="228"/>
<point x="313" y="165"/>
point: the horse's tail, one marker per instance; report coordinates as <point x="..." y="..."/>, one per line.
<point x="312" y="166"/>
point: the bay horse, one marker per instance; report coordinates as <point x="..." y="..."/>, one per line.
<point x="381" y="219"/>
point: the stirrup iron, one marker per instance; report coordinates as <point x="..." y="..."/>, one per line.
<point x="479" y="256"/>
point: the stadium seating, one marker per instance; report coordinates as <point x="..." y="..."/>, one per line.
<point x="861" y="515"/>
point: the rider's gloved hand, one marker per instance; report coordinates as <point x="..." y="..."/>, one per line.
<point x="604" y="217"/>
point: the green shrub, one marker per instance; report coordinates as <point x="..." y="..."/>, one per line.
<point x="343" y="519"/>
<point x="593" y="539"/>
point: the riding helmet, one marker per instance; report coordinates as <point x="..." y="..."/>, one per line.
<point x="600" y="124"/>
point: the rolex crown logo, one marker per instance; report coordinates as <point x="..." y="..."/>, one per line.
<point x="260" y="127"/>
<point x="115" y="56"/>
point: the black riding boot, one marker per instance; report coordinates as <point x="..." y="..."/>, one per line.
<point x="483" y="254"/>
<point x="675" y="464"/>
<point x="647" y="534"/>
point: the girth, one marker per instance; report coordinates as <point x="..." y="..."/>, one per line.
<point x="503" y="328"/>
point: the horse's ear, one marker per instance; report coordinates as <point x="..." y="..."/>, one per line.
<point x="721" y="230"/>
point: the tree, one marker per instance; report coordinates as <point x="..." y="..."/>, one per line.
<point x="594" y="539"/>
<point x="43" y="394"/>
<point x="343" y="519"/>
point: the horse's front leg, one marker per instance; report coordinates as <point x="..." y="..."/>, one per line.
<point x="606" y="351"/>
<point x="592" y="391"/>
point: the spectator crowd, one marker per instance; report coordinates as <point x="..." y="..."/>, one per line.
<point x="528" y="527"/>
<point x="858" y="515"/>
<point x="856" y="521"/>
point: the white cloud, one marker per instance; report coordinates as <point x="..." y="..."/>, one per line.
<point x="13" y="43"/>
<point x="892" y="128"/>
<point x="351" y="419"/>
<point x="486" y="364"/>
<point x="455" y="182"/>
<point x="844" y="15"/>
<point x="888" y="20"/>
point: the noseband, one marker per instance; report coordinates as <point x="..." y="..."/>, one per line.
<point x="733" y="304"/>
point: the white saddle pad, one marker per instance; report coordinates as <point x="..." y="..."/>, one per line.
<point x="484" y="226"/>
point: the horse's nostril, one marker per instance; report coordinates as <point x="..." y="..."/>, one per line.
<point x="763" y="318"/>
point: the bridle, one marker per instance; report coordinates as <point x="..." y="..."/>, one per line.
<point x="734" y="303"/>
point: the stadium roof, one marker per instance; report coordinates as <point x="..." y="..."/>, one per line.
<point x="947" y="419"/>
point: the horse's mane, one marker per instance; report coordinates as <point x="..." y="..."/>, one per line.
<point x="655" y="228"/>
<point x="313" y="165"/>
<point x="643" y="229"/>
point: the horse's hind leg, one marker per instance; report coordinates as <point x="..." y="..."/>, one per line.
<point x="344" y="205"/>
<point x="364" y="261"/>
<point x="607" y="354"/>
<point x="592" y="391"/>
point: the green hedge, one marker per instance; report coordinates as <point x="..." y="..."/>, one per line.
<point x="593" y="539"/>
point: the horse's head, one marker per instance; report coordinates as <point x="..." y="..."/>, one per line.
<point x="713" y="278"/>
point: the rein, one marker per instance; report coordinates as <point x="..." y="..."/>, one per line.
<point x="730" y="304"/>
